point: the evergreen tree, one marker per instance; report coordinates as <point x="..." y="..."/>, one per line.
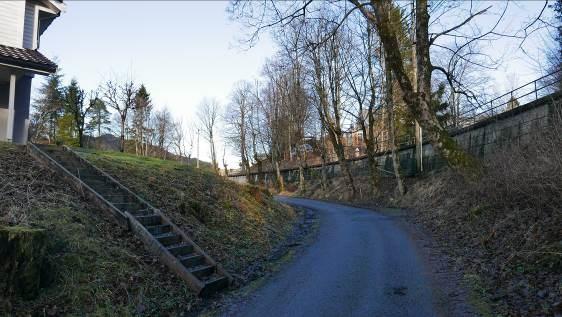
<point x="47" y="109"/>
<point x="66" y="130"/>
<point x="99" y="116"/>
<point x="76" y="109"/>
<point x="440" y="106"/>
<point x="141" y="115"/>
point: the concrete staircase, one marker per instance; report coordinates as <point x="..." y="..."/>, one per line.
<point x="160" y="235"/>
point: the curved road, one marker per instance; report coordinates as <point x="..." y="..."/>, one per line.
<point x="360" y="264"/>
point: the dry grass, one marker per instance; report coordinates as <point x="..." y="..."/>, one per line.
<point x="238" y="225"/>
<point x="506" y="224"/>
<point x="101" y="270"/>
<point x="97" y="269"/>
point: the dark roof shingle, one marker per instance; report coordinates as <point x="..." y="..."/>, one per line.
<point x="28" y="58"/>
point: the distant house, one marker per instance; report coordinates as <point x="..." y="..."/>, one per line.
<point x="21" y="25"/>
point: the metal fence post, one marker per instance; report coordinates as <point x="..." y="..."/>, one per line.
<point x="536" y="92"/>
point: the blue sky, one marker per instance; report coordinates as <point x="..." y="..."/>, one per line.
<point x="184" y="51"/>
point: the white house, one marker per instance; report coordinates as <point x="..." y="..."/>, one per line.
<point x="21" y="25"/>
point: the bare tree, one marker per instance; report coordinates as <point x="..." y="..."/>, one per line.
<point x="120" y="96"/>
<point x="416" y="85"/>
<point x="224" y="164"/>
<point x="392" y="130"/>
<point x="237" y="119"/>
<point x="164" y="129"/>
<point x="182" y="140"/>
<point x="208" y="114"/>
<point x="327" y="59"/>
<point x="363" y="80"/>
<point x="270" y="105"/>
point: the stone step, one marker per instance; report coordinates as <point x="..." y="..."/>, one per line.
<point x="118" y="197"/>
<point x="202" y="271"/>
<point x="107" y="188"/>
<point x="184" y="258"/>
<point x="168" y="238"/>
<point x="142" y="212"/>
<point x="192" y="259"/>
<point x="159" y="229"/>
<point x="149" y="220"/>
<point x="180" y="249"/>
<point x="214" y="284"/>
<point x="131" y="207"/>
<point x="92" y="178"/>
<point x="71" y="167"/>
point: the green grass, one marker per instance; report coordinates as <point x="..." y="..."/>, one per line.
<point x="99" y="269"/>
<point x="237" y="224"/>
<point x="478" y="296"/>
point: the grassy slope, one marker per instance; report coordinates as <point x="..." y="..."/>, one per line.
<point x="236" y="224"/>
<point x="99" y="269"/>
<point x="503" y="226"/>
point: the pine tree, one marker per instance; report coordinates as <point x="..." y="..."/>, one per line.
<point x="77" y="109"/>
<point x="141" y="115"/>
<point x="99" y="116"/>
<point x="47" y="109"/>
<point x="439" y="106"/>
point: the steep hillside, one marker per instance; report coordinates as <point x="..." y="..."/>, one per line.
<point x="236" y="224"/>
<point x="91" y="267"/>
<point x="502" y="224"/>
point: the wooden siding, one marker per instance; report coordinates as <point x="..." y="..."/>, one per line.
<point x="12" y="22"/>
<point x="29" y="25"/>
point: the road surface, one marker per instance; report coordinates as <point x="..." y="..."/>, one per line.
<point x="360" y="264"/>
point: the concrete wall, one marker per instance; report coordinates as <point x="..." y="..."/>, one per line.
<point x="480" y="139"/>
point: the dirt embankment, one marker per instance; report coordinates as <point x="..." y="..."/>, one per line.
<point x="502" y="224"/>
<point x="96" y="268"/>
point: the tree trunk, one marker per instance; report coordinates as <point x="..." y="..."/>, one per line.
<point x="122" y="146"/>
<point x="344" y="163"/>
<point x="80" y="134"/>
<point x="371" y="160"/>
<point x="337" y="143"/>
<point x="368" y="136"/>
<point x="301" y="178"/>
<point x="392" y="130"/>
<point x="280" y="181"/>
<point x="260" y="170"/>
<point x="213" y="154"/>
<point x="418" y="103"/>
<point x="324" y="176"/>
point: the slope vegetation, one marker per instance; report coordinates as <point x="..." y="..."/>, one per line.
<point x="96" y="268"/>
<point x="502" y="224"/>
<point x="236" y="224"/>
